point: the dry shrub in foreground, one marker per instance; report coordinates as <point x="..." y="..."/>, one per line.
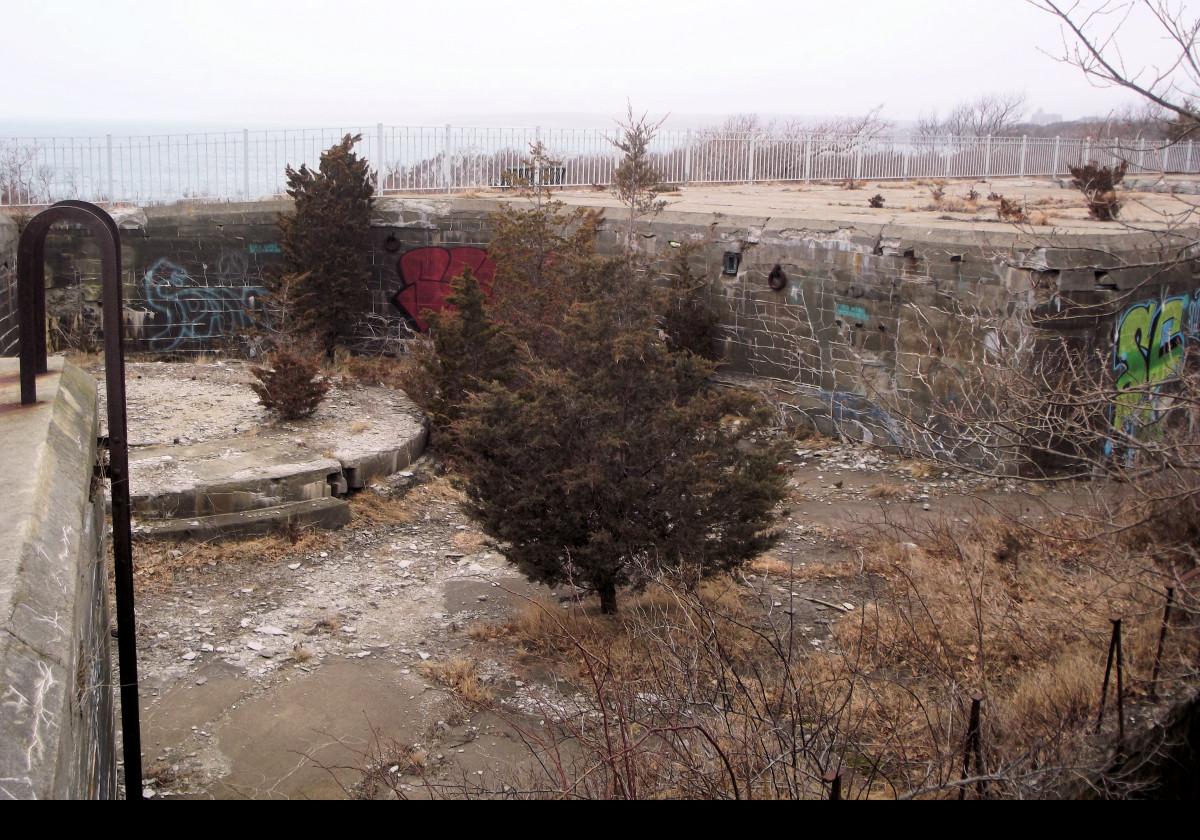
<point x="696" y="693"/>
<point x="1022" y="616"/>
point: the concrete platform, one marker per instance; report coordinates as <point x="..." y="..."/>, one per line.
<point x="205" y="460"/>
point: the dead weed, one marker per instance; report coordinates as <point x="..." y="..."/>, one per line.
<point x="461" y="676"/>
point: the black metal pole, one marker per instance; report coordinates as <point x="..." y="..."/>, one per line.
<point x="834" y="778"/>
<point x="1112" y="647"/>
<point x="31" y="290"/>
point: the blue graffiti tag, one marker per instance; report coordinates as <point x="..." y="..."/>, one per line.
<point x="183" y="315"/>
<point x="854" y="313"/>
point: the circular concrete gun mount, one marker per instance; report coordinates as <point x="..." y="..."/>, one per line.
<point x="205" y="459"/>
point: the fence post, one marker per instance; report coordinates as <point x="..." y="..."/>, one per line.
<point x="858" y="163"/>
<point x="808" y="156"/>
<point x="907" y="159"/>
<point x="1054" y="167"/>
<point x="537" y="170"/>
<point x="987" y="157"/>
<point x="1189" y="158"/>
<point x="379" y="155"/>
<point x="111" y="195"/>
<point x="949" y="154"/>
<point x="1162" y="640"/>
<point x="1087" y="151"/>
<point x="750" y="162"/>
<point x="833" y="778"/>
<point x="1114" y="646"/>
<point x="246" y="162"/>
<point x="446" y="160"/>
<point x="974" y="746"/>
<point x="1024" y="141"/>
<point x="687" y="160"/>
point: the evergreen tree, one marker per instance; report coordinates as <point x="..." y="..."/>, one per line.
<point x="472" y="351"/>
<point x="326" y="240"/>
<point x="635" y="176"/>
<point x="610" y="459"/>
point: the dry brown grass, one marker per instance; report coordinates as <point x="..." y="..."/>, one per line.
<point x="1021" y="615"/>
<point x="461" y="676"/>
<point x="158" y="562"/>
<point x="773" y="566"/>
<point x="371" y="508"/>
<point x="467" y="542"/>
<point x="917" y="469"/>
<point x="360" y="426"/>
<point x="952" y="204"/>
<point x="406" y="373"/>
<point x="886" y="491"/>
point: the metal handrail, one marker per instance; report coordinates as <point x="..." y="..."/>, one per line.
<point x="31" y="304"/>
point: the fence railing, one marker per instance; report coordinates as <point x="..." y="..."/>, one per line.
<point x="250" y="164"/>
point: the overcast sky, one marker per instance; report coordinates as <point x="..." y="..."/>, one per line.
<point x="263" y="63"/>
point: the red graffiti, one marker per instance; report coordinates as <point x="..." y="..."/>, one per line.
<point x="425" y="275"/>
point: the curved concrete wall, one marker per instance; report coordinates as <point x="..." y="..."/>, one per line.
<point x="871" y="333"/>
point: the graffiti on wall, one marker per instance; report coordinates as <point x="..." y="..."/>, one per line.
<point x="1148" y="348"/>
<point x="425" y="275"/>
<point x="176" y="313"/>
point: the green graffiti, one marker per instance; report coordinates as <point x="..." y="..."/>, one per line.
<point x="1148" y="349"/>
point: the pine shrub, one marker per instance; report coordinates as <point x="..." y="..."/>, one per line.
<point x="289" y="388"/>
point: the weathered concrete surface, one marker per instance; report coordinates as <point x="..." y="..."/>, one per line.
<point x="227" y="475"/>
<point x="206" y="458"/>
<point x="56" y="725"/>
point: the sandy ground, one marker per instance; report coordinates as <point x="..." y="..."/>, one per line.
<point x="1051" y="205"/>
<point x="276" y="669"/>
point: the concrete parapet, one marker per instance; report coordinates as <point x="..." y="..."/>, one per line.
<point x="57" y="725"/>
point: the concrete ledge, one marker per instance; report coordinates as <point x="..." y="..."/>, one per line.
<point x="322" y="513"/>
<point x="56" y="725"/>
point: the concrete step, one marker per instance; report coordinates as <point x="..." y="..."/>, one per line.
<point x="319" y="513"/>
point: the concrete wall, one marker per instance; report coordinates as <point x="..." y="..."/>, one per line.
<point x="57" y="725"/>
<point x="882" y="333"/>
<point x="871" y="325"/>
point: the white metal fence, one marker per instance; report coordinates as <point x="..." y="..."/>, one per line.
<point x="250" y="164"/>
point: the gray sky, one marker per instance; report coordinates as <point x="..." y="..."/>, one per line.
<point x="263" y="63"/>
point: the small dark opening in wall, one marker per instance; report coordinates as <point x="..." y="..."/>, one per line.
<point x="777" y="279"/>
<point x="838" y="322"/>
<point x="882" y="328"/>
<point x="733" y="261"/>
<point x="956" y="258"/>
<point x="391" y="244"/>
